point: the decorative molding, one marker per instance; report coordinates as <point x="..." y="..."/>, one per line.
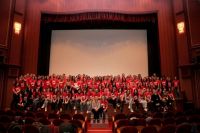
<point x="107" y="16"/>
<point x="13" y="72"/>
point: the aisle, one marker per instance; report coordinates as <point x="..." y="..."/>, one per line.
<point x="105" y="127"/>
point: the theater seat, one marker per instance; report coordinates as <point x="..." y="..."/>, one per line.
<point x="118" y="116"/>
<point x="29" y="120"/>
<point x="78" y="124"/>
<point x="65" y="117"/>
<point x="127" y="129"/>
<point x="121" y="123"/>
<point x="184" y="128"/>
<point x="156" y="122"/>
<point x="140" y="124"/>
<point x="169" y="121"/>
<point x="149" y="129"/>
<point x="168" y="129"/>
<point x="83" y="119"/>
<point x="31" y="129"/>
<point x="79" y="117"/>
<point x="181" y="120"/>
<point x="57" y="123"/>
<point x="44" y="121"/>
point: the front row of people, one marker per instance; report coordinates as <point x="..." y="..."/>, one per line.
<point x="98" y="105"/>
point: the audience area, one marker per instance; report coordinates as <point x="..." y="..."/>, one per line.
<point x="132" y="103"/>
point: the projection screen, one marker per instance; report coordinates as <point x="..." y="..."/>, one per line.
<point x="99" y="52"/>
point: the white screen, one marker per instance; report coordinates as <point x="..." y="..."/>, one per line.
<point x="99" y="52"/>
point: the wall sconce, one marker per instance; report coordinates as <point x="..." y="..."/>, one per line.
<point x="181" y="27"/>
<point x="17" y="27"/>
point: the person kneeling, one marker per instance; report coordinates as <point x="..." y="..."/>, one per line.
<point x="96" y="108"/>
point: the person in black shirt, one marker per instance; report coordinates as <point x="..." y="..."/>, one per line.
<point x="156" y="102"/>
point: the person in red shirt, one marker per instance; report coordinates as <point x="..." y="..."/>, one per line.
<point x="32" y="83"/>
<point x="169" y="84"/>
<point x="39" y="83"/>
<point x="22" y="86"/>
<point x="20" y="102"/>
<point x="61" y="84"/>
<point x="54" y="84"/>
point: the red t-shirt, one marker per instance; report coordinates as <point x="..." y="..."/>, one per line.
<point x="104" y="103"/>
<point x="61" y="84"/>
<point x="54" y="83"/>
<point x="164" y="83"/>
<point x="175" y="83"/>
<point x="22" y="85"/>
<point x="32" y="83"/>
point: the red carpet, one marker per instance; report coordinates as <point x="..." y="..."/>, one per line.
<point x="108" y="129"/>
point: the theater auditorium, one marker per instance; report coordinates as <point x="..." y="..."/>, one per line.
<point x="91" y="66"/>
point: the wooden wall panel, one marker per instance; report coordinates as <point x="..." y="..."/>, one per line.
<point x="8" y="93"/>
<point x="16" y="43"/>
<point x="178" y="6"/>
<point x="182" y="43"/>
<point x="183" y="49"/>
<point x="194" y="21"/>
<point x="2" y="74"/>
<point x="20" y="6"/>
<point x="5" y="12"/>
<point x="165" y="18"/>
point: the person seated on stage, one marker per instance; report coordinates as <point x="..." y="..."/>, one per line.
<point x="20" y="102"/>
<point x="129" y="100"/>
<point x="66" y="100"/>
<point x="47" y="98"/>
<point x="143" y="101"/>
<point x="77" y="100"/>
<point x="96" y="108"/>
<point x="156" y="100"/>
<point x="136" y="99"/>
<point x="164" y="98"/>
<point x="59" y="103"/>
<point x="113" y="99"/>
<point x="170" y="101"/>
<point x="16" y="95"/>
<point x="83" y="102"/>
<point x="54" y="102"/>
<point x="121" y="99"/>
<point x="36" y="102"/>
<point x="104" y="107"/>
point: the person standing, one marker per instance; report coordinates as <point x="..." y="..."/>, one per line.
<point x="96" y="108"/>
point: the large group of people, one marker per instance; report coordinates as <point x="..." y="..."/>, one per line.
<point x="93" y="94"/>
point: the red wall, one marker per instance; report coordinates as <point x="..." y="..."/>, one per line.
<point x="5" y="12"/>
<point x="188" y="45"/>
<point x="165" y="20"/>
<point x="194" y="19"/>
<point x="11" y="48"/>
